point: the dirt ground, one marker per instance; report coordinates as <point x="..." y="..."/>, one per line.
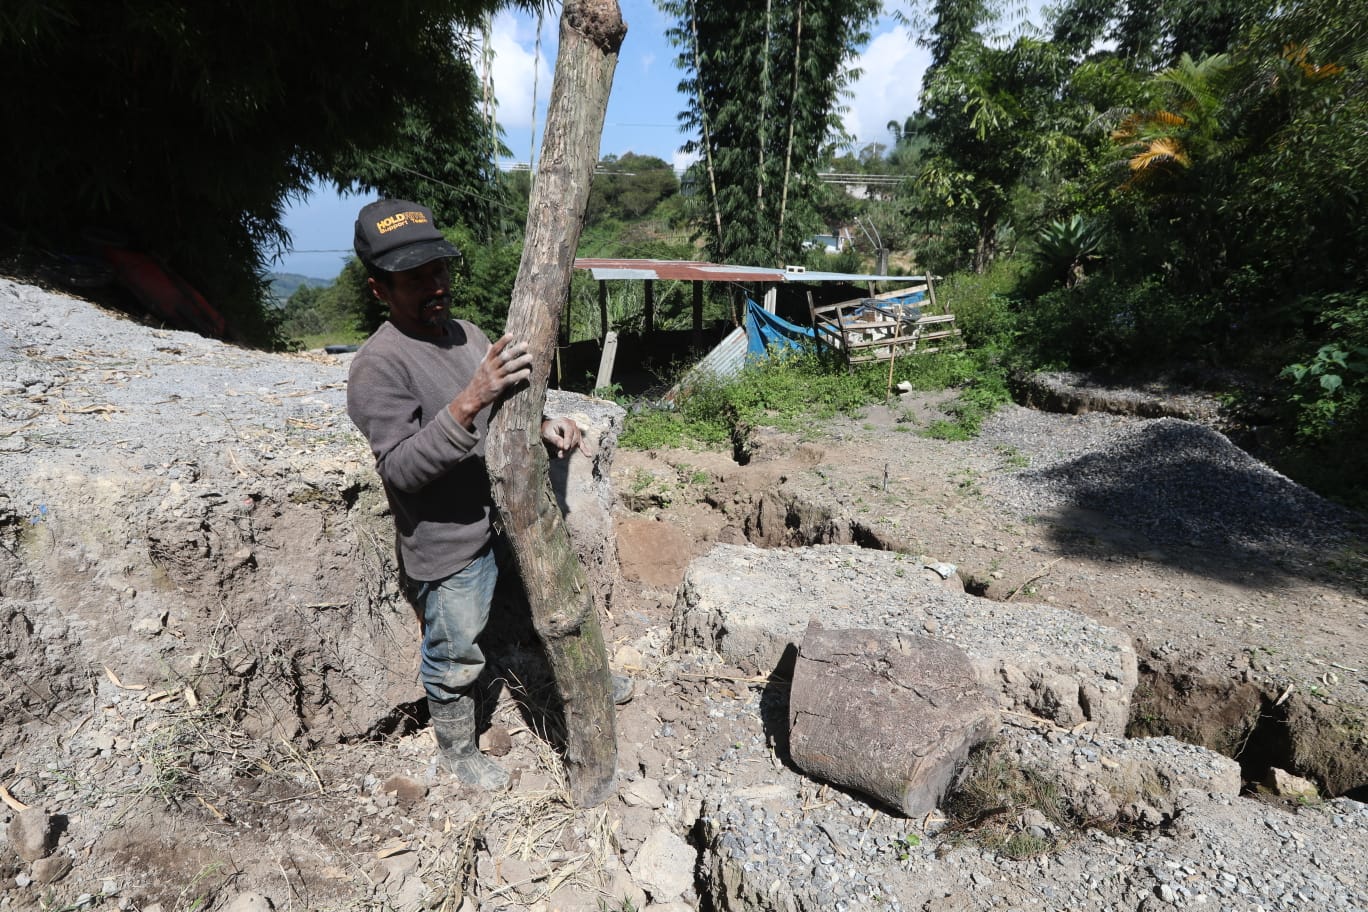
<point x="1259" y="652"/>
<point x="207" y="675"/>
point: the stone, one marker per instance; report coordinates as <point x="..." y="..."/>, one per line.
<point x="496" y="741"/>
<point x="1285" y="785"/>
<point x="51" y="869"/>
<point x="406" y="789"/>
<point x="584" y="489"/>
<point x="1140" y="782"/>
<point x="250" y="902"/>
<point x="643" y="793"/>
<point x="664" y="866"/>
<point x="892" y="715"/>
<point x="1038" y="660"/>
<point x="409" y="893"/>
<point x="626" y="893"/>
<point x="628" y="657"/>
<point x="33" y="833"/>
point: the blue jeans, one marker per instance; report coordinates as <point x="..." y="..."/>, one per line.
<point x="454" y="611"/>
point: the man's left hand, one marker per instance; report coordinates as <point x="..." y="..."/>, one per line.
<point x="562" y="435"/>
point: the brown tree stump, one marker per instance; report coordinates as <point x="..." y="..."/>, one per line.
<point x="891" y="715"/>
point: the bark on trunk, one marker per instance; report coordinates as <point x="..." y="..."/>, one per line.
<point x="591" y="32"/>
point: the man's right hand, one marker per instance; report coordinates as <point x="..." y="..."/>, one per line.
<point x="504" y="366"/>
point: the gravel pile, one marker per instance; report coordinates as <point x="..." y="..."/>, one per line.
<point x="1171" y="479"/>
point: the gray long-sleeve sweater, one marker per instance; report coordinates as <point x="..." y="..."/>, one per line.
<point x="398" y="389"/>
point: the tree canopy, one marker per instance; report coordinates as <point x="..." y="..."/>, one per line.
<point x="186" y="127"/>
<point x="764" y="84"/>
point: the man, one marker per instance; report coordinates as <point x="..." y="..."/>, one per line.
<point x="420" y="390"/>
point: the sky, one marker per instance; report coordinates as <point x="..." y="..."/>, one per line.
<point x="642" y="116"/>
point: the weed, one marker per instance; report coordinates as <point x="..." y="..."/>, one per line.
<point x="992" y="795"/>
<point x="1012" y="457"/>
<point x="967" y="481"/>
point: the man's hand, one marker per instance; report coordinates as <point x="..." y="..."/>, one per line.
<point x="504" y="366"/>
<point x="562" y="435"/>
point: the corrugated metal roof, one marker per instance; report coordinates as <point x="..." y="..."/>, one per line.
<point x="610" y="269"/>
<point x="726" y="360"/>
<point x="813" y="276"/>
<point x="682" y="270"/>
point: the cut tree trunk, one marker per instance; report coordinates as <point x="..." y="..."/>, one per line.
<point x="890" y="714"/>
<point x="591" y="32"/>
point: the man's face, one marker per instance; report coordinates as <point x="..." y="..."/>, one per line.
<point x="419" y="299"/>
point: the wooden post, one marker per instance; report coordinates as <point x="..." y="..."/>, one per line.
<point x="603" y="310"/>
<point x="650" y="307"/>
<point x="591" y="33"/>
<point x="606" y="361"/>
<point x="697" y="314"/>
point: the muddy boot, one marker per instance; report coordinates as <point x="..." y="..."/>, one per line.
<point x="624" y="688"/>
<point x="458" y="751"/>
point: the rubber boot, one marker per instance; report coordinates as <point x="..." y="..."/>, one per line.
<point x="457" y="748"/>
<point x="624" y="688"/>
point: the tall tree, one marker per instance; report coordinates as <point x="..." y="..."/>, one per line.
<point x="764" y="84"/>
<point x="984" y="107"/>
<point x="198" y="121"/>
<point x="443" y="157"/>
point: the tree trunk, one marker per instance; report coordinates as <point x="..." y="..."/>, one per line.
<point x="591" y="32"/>
<point x="703" y="122"/>
<point x="788" y="152"/>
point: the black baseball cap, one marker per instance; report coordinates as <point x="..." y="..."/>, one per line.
<point x="395" y="235"/>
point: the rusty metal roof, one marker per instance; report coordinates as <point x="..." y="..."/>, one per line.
<point x="608" y="269"/>
<point x="683" y="270"/>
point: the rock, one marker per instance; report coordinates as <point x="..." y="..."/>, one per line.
<point x="583" y="486"/>
<point x="1285" y="785"/>
<point x="664" y="866"/>
<point x="635" y="825"/>
<point x="408" y="893"/>
<point x="892" y="715"/>
<point x="643" y="793"/>
<point x="1038" y="659"/>
<point x="629" y="658"/>
<point x="1139" y="782"/>
<point x="406" y="789"/>
<point x="397" y="864"/>
<point x="250" y="902"/>
<point x="496" y="740"/>
<point x="626" y="893"/>
<point x="33" y="833"/>
<point x="51" y="869"/>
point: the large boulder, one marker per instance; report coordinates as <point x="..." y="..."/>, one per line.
<point x="751" y="606"/>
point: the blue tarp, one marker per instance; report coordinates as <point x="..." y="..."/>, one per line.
<point x="764" y="329"/>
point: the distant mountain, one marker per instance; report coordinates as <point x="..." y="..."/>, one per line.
<point x="284" y="284"/>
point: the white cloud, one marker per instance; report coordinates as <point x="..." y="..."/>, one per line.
<point x="893" y="66"/>
<point x="646" y="61"/>
<point x="515" y="62"/>
<point x="682" y="160"/>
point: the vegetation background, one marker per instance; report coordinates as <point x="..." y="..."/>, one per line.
<point x="1138" y="189"/>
